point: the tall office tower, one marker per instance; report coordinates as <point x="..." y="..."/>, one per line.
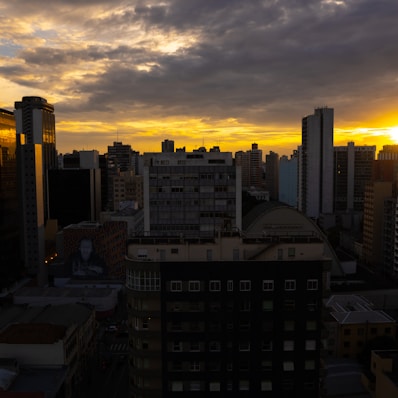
<point x="167" y="146"/>
<point x="272" y="175"/>
<point x="36" y="154"/>
<point x="10" y="260"/>
<point x="316" y="164"/>
<point x="35" y="119"/>
<point x="251" y="164"/>
<point x="288" y="169"/>
<point x="353" y="166"/>
<point x="191" y="193"/>
<point x="232" y="316"/>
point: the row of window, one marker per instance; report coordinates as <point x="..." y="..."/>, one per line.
<point x="216" y="366"/>
<point x="243" y="385"/>
<point x="215" y="346"/>
<point x="244" y="285"/>
<point x="150" y="281"/>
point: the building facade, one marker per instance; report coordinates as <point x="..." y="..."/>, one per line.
<point x="225" y="316"/>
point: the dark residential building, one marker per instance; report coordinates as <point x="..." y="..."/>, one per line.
<point x="232" y="315"/>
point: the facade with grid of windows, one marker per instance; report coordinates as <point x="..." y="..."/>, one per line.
<point x="191" y="193"/>
<point x="233" y="315"/>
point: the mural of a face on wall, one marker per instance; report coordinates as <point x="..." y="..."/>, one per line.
<point x="85" y="262"/>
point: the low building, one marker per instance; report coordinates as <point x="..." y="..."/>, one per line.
<point x="57" y="338"/>
<point x="352" y="323"/>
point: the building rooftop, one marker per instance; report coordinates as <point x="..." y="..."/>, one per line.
<point x="351" y="308"/>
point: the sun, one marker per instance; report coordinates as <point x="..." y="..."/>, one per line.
<point x="393" y="133"/>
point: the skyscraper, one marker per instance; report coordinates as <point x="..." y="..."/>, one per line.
<point x="316" y="164"/>
<point x="36" y="154"/>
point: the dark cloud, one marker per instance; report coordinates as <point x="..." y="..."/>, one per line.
<point x="258" y="61"/>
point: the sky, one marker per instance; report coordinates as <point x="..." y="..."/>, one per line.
<point x="224" y="73"/>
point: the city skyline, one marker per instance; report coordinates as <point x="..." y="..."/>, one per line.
<point x="203" y="73"/>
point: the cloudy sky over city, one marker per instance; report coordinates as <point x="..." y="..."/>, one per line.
<point x="203" y="72"/>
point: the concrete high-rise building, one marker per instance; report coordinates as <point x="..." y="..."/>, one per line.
<point x="288" y="172"/>
<point x="10" y="259"/>
<point x="251" y="163"/>
<point x="316" y="164"/>
<point x="191" y="193"/>
<point x="36" y="154"/>
<point x="353" y="166"/>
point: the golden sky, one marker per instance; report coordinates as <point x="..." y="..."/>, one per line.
<point x="203" y="72"/>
